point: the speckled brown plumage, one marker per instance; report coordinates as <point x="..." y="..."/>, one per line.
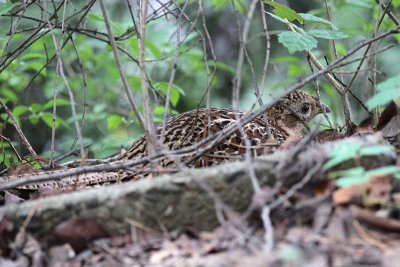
<point x="285" y="119"/>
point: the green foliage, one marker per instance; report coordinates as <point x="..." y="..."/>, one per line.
<point x="309" y="18"/>
<point x="388" y="90"/>
<point x="6" y="7"/>
<point x="359" y="175"/>
<point x="302" y="40"/>
<point x="284" y="11"/>
<point x="295" y="41"/>
<point x="175" y="93"/>
<point x="345" y="150"/>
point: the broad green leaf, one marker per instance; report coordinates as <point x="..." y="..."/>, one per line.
<point x="352" y="172"/>
<point x="311" y="18"/>
<point x="134" y="45"/>
<point x="284" y="11"/>
<point x="327" y="34"/>
<point x="47" y="117"/>
<point x="19" y="110"/>
<point x="154" y="49"/>
<point x="4" y="8"/>
<point x="114" y="121"/>
<point x="341" y="152"/>
<point x="383" y="171"/>
<point x="295" y="41"/>
<point x="295" y="70"/>
<point x="387" y="91"/>
<point x="33" y="56"/>
<point x="135" y="83"/>
<point x="59" y="102"/>
<point x="35" y="108"/>
<point x="9" y="94"/>
<point x="159" y="110"/>
<point x="176" y="91"/>
<point x="376" y="150"/>
<point x="36" y="66"/>
<point x="341" y="49"/>
<point x="223" y="66"/>
<point x="351" y="177"/>
<point x="360" y="3"/>
<point x="383" y="97"/>
<point x="290" y="254"/>
<point x="350" y="180"/>
<point x="297" y="28"/>
<point x="34" y="119"/>
<point x="116" y="26"/>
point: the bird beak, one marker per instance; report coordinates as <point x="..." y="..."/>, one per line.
<point x="325" y="108"/>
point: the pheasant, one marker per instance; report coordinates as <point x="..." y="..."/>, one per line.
<point x="286" y="119"/>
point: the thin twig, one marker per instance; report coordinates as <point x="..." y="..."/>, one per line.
<point x="19" y="131"/>
<point x="149" y="130"/>
<point x="124" y="80"/>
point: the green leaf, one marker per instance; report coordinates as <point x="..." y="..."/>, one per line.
<point x="9" y="94"/>
<point x="376" y="150"/>
<point x="19" y="110"/>
<point x="159" y="110"/>
<point x="154" y="49"/>
<point x="36" y="66"/>
<point x="383" y="98"/>
<point x="33" y="56"/>
<point x="218" y="4"/>
<point x="34" y="119"/>
<point x="222" y="66"/>
<point x="311" y="18"/>
<point x="286" y="22"/>
<point x="35" y="108"/>
<point x="327" y="34"/>
<point x="117" y="28"/>
<point x="295" y="41"/>
<point x="59" y="102"/>
<point x="284" y="11"/>
<point x="349" y="181"/>
<point x="135" y="83"/>
<point x="114" y="121"/>
<point x="383" y="171"/>
<point x="341" y="152"/>
<point x="4" y="8"/>
<point x="387" y="91"/>
<point x="360" y="3"/>
<point x="341" y="49"/>
<point x="48" y="119"/>
<point x="176" y="91"/>
<point x="356" y="171"/>
<point x="351" y="177"/>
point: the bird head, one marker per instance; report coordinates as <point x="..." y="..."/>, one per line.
<point x="294" y="110"/>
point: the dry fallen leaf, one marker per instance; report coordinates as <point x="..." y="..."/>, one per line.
<point x="79" y="231"/>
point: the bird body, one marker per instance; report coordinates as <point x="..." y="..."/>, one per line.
<point x="285" y="119"/>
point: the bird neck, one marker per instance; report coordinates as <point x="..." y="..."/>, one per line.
<point x="278" y="117"/>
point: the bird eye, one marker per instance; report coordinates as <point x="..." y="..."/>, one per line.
<point x="305" y="108"/>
